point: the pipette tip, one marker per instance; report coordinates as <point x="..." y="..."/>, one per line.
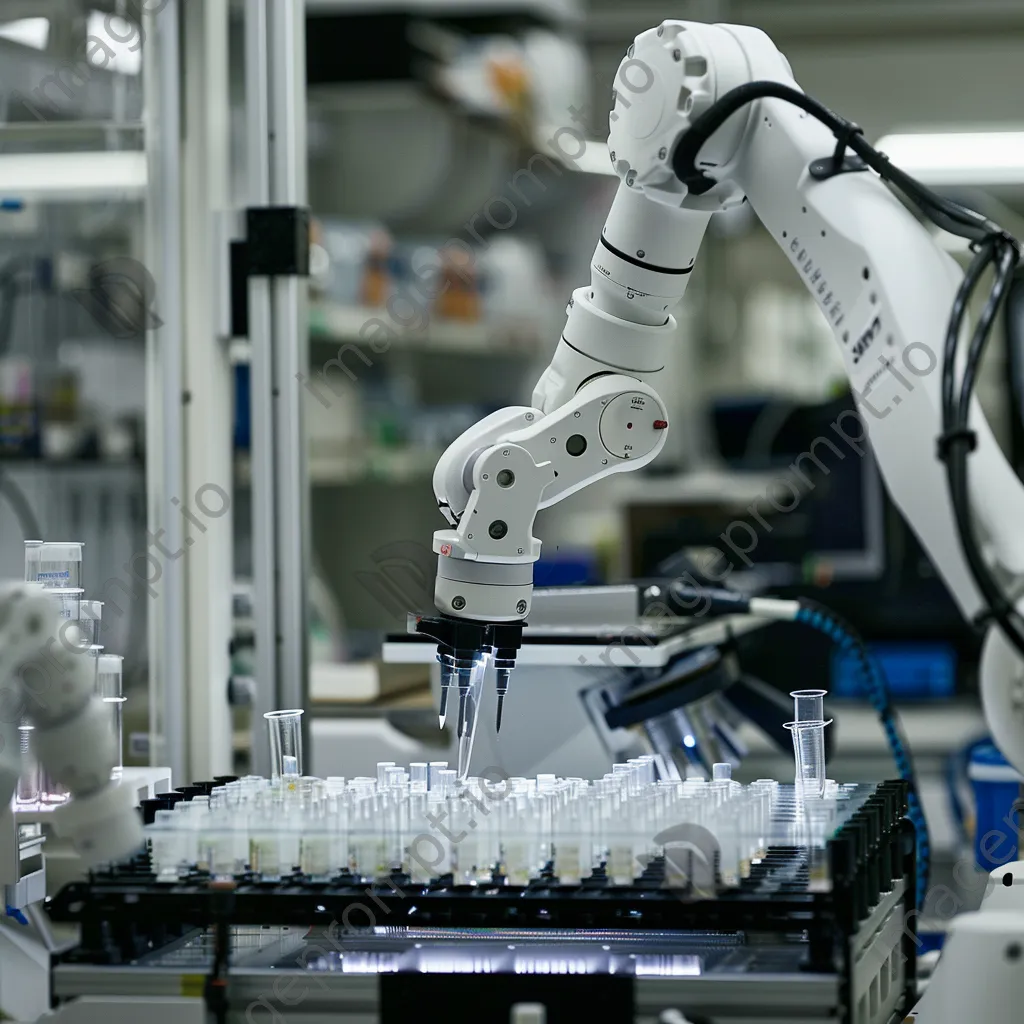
<point x="501" y="704"/>
<point x="443" y="710"/>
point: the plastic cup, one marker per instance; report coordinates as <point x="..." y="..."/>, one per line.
<point x="809" y="705"/>
<point x="285" y="728"/>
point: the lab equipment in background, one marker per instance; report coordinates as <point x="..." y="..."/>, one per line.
<point x="55" y="568"/>
<point x="464" y="93"/>
<point x="19" y="429"/>
<point x="999" y="807"/>
<point x="56" y="565"/>
<point x="110" y="691"/>
<point x="844" y="543"/>
<point x="285" y="731"/>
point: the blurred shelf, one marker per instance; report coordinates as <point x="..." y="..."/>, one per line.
<point x="557" y="12"/>
<point x="332" y="323"/>
<point x="9" y="463"/>
<point x="70" y="131"/>
<point x="73" y="177"/>
<point x="386" y="465"/>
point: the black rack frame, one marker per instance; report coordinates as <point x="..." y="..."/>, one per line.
<point x="124" y="912"/>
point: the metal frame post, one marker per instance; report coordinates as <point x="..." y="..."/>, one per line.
<point x="164" y="374"/>
<point x="275" y="78"/>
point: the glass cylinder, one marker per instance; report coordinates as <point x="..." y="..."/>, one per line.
<point x="285" y="728"/>
<point x="109" y="690"/>
<point x="28" y="780"/>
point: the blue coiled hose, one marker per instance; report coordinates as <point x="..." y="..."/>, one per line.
<point x="846" y="638"/>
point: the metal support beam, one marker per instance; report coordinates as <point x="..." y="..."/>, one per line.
<point x="164" y="369"/>
<point x="208" y="387"/>
<point x="275" y="82"/>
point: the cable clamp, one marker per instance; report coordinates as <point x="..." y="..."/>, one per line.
<point x="843" y="138"/>
<point x="945" y="442"/>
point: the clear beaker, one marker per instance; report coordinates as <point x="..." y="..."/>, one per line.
<point x="58" y="564"/>
<point x="285" y="728"/>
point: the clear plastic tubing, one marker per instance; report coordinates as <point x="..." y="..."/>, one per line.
<point x="285" y="729"/>
<point x="108" y="688"/>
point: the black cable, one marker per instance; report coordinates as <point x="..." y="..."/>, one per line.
<point x="956" y="218"/>
<point x="959" y="441"/>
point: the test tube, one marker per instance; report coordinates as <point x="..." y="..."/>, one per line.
<point x="58" y="564"/>
<point x="28" y="780"/>
<point x="109" y="690"/>
<point x="285" y="729"/>
<point x="434" y="775"/>
<point x="808" y="729"/>
<point x="382" y="772"/>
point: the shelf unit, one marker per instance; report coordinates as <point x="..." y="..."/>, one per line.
<point x="333" y="323"/>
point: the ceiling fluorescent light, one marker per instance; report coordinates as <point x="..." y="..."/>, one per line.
<point x="958" y="158"/>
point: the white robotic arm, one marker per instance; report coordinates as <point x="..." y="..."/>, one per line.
<point x="52" y="686"/>
<point x="881" y="281"/>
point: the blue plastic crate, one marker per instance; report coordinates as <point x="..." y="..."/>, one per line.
<point x="996" y="786"/>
